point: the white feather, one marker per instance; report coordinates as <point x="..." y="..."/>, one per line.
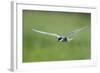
<point x="47" y="33"/>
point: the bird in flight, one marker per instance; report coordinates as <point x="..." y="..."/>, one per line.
<point x="61" y="38"/>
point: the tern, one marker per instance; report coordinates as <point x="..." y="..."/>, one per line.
<point x="61" y="38"/>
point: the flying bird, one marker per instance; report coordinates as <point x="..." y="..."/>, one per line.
<point x="61" y="38"/>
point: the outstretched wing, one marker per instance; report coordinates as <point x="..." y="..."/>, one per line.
<point x="72" y="33"/>
<point x="46" y="33"/>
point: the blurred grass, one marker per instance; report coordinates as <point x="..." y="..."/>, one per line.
<point x="38" y="47"/>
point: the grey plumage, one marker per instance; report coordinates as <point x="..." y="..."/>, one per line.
<point x="67" y="38"/>
<point x="71" y="34"/>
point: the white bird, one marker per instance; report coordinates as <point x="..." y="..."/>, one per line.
<point x="61" y="38"/>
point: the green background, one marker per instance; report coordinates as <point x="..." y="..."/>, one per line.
<point x="38" y="47"/>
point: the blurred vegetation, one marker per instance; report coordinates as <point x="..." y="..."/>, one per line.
<point x="38" y="47"/>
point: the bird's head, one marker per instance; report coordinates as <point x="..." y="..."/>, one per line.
<point x="62" y="39"/>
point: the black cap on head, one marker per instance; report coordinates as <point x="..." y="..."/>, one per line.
<point x="59" y="38"/>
